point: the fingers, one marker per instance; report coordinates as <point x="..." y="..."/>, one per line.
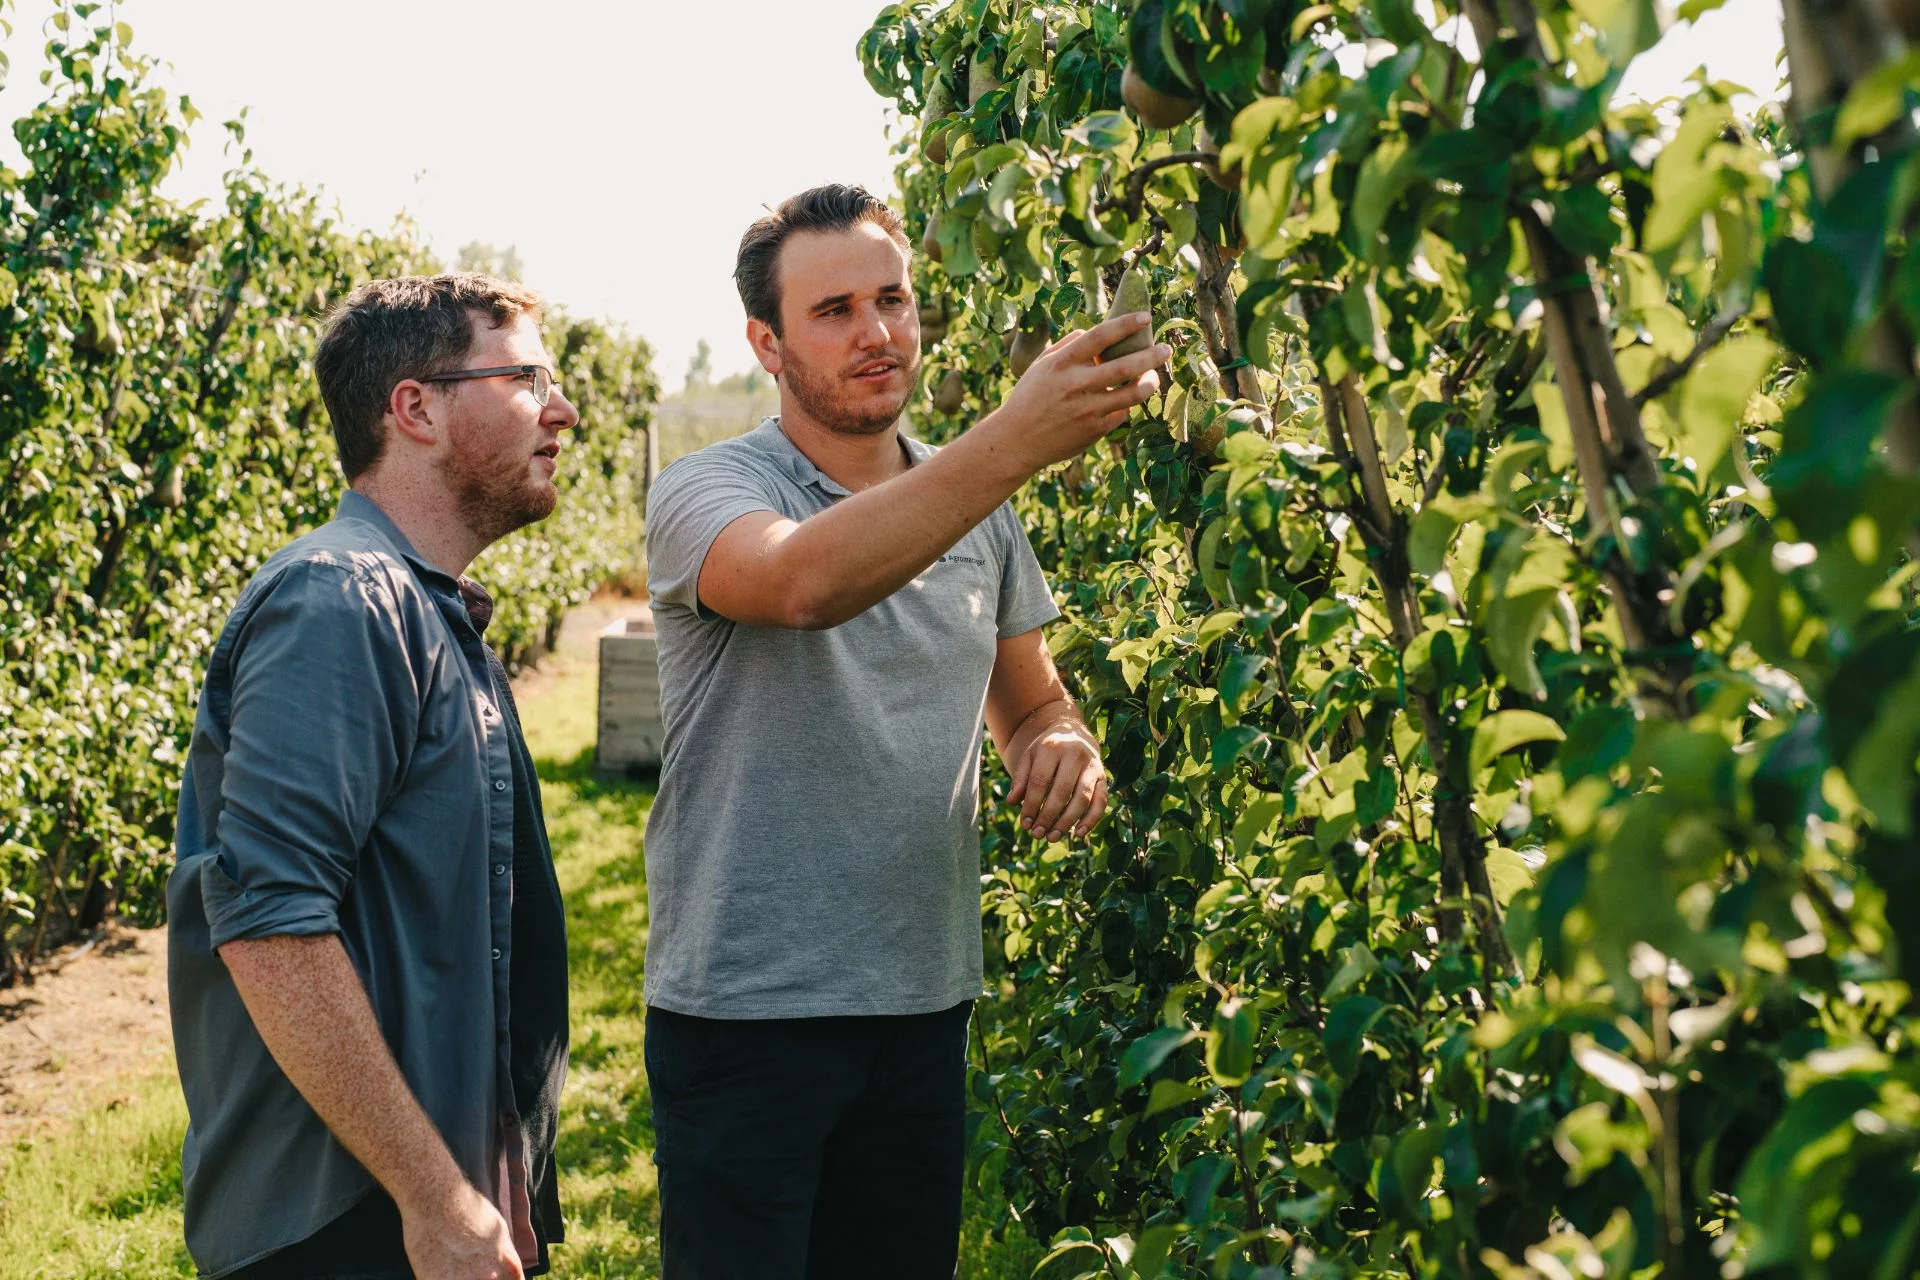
<point x="1121" y="399"/>
<point x="1040" y="781"/>
<point x="1129" y="368"/>
<point x="1095" y="811"/>
<point x="1051" y="824"/>
<point x="1079" y="801"/>
<point x="1105" y="334"/>
<point x="1021" y="773"/>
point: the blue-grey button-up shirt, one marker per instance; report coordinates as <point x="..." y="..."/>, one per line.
<point x="350" y="774"/>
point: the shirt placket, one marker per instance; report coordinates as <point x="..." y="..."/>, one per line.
<point x="495" y="747"/>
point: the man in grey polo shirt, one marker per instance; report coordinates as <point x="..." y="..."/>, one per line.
<point x="839" y="609"/>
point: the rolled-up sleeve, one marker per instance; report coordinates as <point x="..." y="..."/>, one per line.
<point x="691" y="503"/>
<point x="324" y="710"/>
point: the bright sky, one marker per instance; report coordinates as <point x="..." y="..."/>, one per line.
<point x="620" y="147"/>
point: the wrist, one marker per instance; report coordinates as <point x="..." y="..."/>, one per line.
<point x="1008" y="445"/>
<point x="435" y="1195"/>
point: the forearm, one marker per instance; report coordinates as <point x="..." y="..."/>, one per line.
<point x="310" y="1008"/>
<point x="856" y="553"/>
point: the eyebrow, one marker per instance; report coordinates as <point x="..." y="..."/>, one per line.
<point x="839" y="298"/>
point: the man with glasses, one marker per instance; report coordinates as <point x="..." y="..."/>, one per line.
<point x="367" y="957"/>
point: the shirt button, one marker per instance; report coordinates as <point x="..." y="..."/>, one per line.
<point x="499" y="868"/>
<point x="496" y="953"/>
<point x="499" y="784"/>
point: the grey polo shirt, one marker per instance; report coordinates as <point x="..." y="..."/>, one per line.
<point x="814" y="847"/>
<point x="349" y="773"/>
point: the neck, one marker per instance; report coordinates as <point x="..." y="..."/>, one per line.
<point x="425" y="514"/>
<point x="854" y="462"/>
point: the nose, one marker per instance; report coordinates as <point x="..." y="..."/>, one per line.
<point x="560" y="413"/>
<point x="873" y="333"/>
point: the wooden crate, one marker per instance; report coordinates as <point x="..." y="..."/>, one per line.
<point x="631" y="731"/>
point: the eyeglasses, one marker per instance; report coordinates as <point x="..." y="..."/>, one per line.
<point x="542" y="378"/>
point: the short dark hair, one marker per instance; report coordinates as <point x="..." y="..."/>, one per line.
<point x="834" y="207"/>
<point x="408" y="327"/>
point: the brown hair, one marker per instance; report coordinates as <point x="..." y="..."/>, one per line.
<point x="387" y="331"/>
<point x="834" y="207"/>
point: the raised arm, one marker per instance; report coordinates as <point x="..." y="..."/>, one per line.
<point x="767" y="570"/>
<point x="1059" y="781"/>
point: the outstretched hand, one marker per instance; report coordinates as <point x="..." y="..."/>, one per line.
<point x="1070" y="398"/>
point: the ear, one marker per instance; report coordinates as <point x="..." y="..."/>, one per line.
<point x="765" y="344"/>
<point x="415" y="413"/>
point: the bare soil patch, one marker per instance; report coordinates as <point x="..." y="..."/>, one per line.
<point x="95" y="1016"/>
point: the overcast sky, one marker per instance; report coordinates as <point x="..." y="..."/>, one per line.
<point x="621" y="147"/>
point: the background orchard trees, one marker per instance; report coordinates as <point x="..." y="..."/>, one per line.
<point x="160" y="435"/>
<point x="1500" y="633"/>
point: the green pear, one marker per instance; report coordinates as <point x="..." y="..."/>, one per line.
<point x="1156" y="110"/>
<point x="1028" y="345"/>
<point x="169" y="484"/>
<point x="951" y="395"/>
<point x="939" y="107"/>
<point x="930" y="240"/>
<point x="1130" y="295"/>
<point x="980" y="80"/>
<point x="100" y="331"/>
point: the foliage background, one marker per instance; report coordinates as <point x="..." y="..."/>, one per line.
<point x="1499" y="635"/>
<point x="160" y="435"/>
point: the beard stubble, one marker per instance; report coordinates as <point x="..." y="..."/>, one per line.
<point x="823" y="397"/>
<point x="494" y="492"/>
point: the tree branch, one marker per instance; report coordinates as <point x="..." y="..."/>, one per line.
<point x="1670" y="373"/>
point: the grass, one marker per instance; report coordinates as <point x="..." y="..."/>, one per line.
<point x="101" y="1200"/>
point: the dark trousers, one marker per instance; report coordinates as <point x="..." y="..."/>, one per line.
<point x="809" y="1148"/>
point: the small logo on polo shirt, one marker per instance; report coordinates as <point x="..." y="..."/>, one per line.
<point x="953" y="559"/>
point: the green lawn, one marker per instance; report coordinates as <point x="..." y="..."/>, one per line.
<point x="101" y="1201"/>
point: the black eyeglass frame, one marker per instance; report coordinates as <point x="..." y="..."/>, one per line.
<point x="505" y="371"/>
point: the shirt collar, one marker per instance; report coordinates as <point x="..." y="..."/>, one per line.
<point x="355" y="505"/>
<point x="773" y="441"/>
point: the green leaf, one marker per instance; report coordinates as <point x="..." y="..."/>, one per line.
<point x="1583" y="221"/>
<point x="1064" y="1247"/>
<point x="1219" y="623"/>
<point x="1168" y="1094"/>
<point x="1324" y="620"/>
<point x="1431" y="535"/>
<point x="1514" y="623"/>
<point x="1627" y="27"/>
<point x="1357" y="963"/>
<point x="1256" y="819"/>
<point x="1150" y="1253"/>
<point x="1347" y="1027"/>
<point x="1144" y="1056"/>
<point x="1230" y="1042"/>
<point x="1714" y="397"/>
<point x="1502" y="731"/>
<point x="1682" y="192"/>
<point x="1508" y="873"/>
<point x="1229" y="746"/>
<point x="1239" y="680"/>
<point x="1878" y="100"/>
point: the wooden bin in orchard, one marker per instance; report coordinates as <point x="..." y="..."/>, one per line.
<point x="631" y="731"/>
